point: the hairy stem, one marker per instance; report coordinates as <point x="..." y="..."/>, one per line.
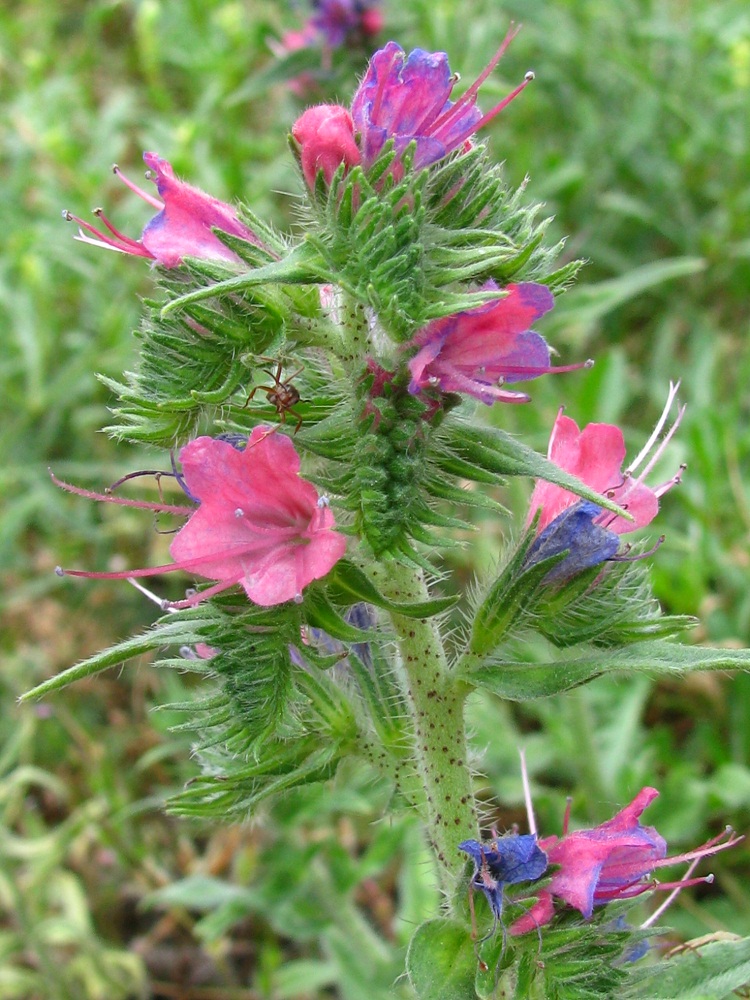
<point x="436" y="701"/>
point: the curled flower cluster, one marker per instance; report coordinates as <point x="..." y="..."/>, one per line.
<point x="403" y="98"/>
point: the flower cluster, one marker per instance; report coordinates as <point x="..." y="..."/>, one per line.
<point x="257" y="523"/>
<point x="609" y="862"/>
<point x="403" y="98"/>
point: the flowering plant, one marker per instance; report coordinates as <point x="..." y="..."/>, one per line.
<point x="324" y="627"/>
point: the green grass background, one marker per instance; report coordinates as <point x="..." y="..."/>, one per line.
<point x="636" y="135"/>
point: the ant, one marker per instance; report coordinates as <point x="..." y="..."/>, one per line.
<point x="283" y="396"/>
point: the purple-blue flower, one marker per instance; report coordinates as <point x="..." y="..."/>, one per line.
<point x="504" y="861"/>
<point x="339" y="20"/>
<point x="407" y="99"/>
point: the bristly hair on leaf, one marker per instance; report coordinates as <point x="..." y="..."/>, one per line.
<point x="400" y="246"/>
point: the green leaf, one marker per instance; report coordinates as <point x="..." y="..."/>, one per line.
<point x="524" y="681"/>
<point x="492" y="450"/>
<point x="200" y="893"/>
<point x="586" y="306"/>
<point x="302" y="266"/>
<point x="441" y="963"/>
<point x="348" y="581"/>
<point x="282" y="68"/>
<point x="171" y="632"/>
<point x="320" y="613"/>
<point x="708" y="972"/>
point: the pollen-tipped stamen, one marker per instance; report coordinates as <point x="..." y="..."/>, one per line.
<point x="149" y="198"/>
<point x="125" y="240"/>
<point x="123" y="244"/>
<point x="535" y="371"/>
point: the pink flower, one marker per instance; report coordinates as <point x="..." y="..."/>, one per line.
<point x="596" y="455"/>
<point x="609" y="862"/>
<point x="325" y="134"/>
<point x="477" y="351"/>
<point x="182" y="226"/>
<point x="586" y="531"/>
<point x="258" y="523"/>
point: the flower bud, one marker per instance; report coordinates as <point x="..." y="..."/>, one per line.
<point x="325" y="134"/>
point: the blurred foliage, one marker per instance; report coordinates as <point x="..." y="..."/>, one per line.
<point x="635" y="134"/>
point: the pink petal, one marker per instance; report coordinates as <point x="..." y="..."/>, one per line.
<point x="183" y="227"/>
<point x="595" y="455"/>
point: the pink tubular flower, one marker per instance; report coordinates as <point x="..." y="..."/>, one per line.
<point x="596" y="455"/>
<point x="609" y="862"/>
<point x="182" y="226"/>
<point x="258" y="523"/>
<point x="325" y="134"/>
<point x="477" y="351"/>
<point x="587" y="532"/>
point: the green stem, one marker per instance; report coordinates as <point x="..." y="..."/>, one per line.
<point x="436" y="702"/>
<point x="354" y="321"/>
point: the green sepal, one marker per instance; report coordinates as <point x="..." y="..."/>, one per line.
<point x="348" y="582"/>
<point x="445" y="490"/>
<point x="232" y="325"/>
<point x="318" y="660"/>
<point x="610" y="607"/>
<point x="384" y="701"/>
<point x="510" y="595"/>
<point x="712" y="969"/>
<point x="441" y="962"/>
<point x="525" y="681"/>
<point x="234" y="791"/>
<point x="492" y="450"/>
<point x="320" y="613"/>
<point x="331" y="437"/>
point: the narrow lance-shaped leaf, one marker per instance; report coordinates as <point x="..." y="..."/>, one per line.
<point x="302" y="266"/>
<point x="493" y="450"/>
<point x="524" y="681"/>
<point x="347" y="579"/>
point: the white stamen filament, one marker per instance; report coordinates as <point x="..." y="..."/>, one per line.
<point x="527" y="793"/>
<point x="164" y="605"/>
<point x="673" y="387"/>
<point x="83" y="238"/>
<point x="671" y="897"/>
